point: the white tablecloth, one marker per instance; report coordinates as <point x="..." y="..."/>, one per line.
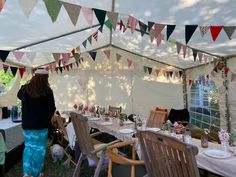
<point x="12" y="132"/>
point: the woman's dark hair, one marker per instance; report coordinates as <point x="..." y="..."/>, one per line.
<point x="38" y="86"/>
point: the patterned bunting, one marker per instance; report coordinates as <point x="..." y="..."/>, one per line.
<point x="108" y="24"/>
<point x="65" y="58"/>
<point x="78" y="49"/>
<point x="90" y="39"/>
<point x="194" y="54"/>
<point x="151" y="34"/>
<point x="107" y="53"/>
<point x="169" y="31"/>
<point x="27" y="6"/>
<point x="143" y="27"/>
<point x="4" y="54"/>
<point x="5" y="67"/>
<point x="229" y="30"/>
<point x="73" y="11"/>
<point x="77" y="57"/>
<point x="53" y="8"/>
<point x="118" y="56"/>
<point x="95" y="35"/>
<point x="22" y="71"/>
<point x="113" y="17"/>
<point x="88" y="14"/>
<point x="178" y="46"/>
<point x="189" y="30"/>
<point x="84" y="43"/>
<point x="71" y="65"/>
<point x="133" y="23"/>
<point x="160" y="37"/>
<point x="215" y="31"/>
<point x="93" y="55"/>
<point x="2" y="2"/>
<point x="13" y="70"/>
<point x="56" y="56"/>
<point x="101" y="15"/>
<point x="203" y="30"/>
<point x="150" y="25"/>
<point x="158" y="29"/>
<point x="18" y="54"/>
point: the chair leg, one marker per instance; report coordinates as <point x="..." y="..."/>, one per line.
<point x="99" y="165"/>
<point x="77" y="168"/>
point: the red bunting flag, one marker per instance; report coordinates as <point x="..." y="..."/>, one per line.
<point x="190" y="82"/>
<point x="22" y="71"/>
<point x="157" y="71"/>
<point x="5" y="67"/>
<point x="95" y="35"/>
<point x="73" y="52"/>
<point x="129" y="63"/>
<point x="88" y="14"/>
<point x="158" y="29"/>
<point x="107" y="53"/>
<point x="133" y="23"/>
<point x="226" y="70"/>
<point x="215" y="31"/>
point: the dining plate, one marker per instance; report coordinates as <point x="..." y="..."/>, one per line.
<point x="126" y="130"/>
<point x="106" y="123"/>
<point x="153" y="129"/>
<point x="128" y="122"/>
<point x="216" y="153"/>
<point x="94" y="118"/>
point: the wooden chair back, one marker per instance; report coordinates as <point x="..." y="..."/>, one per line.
<point x="114" y="157"/>
<point x="156" y="118"/>
<point x="61" y="126"/>
<point x="167" y="156"/>
<point x="80" y="124"/>
<point x="115" y="109"/>
<point x="197" y="133"/>
<point x="213" y="137"/>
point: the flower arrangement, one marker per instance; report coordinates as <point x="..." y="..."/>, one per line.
<point x="178" y="127"/>
<point x="92" y="109"/>
<point x="223" y="135"/>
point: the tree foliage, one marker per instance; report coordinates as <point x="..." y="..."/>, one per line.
<point x="5" y="77"/>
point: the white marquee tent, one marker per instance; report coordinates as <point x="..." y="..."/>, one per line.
<point x="108" y="82"/>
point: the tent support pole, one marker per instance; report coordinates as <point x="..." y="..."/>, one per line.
<point x="56" y="37"/>
<point x="185" y="91"/>
<point x="143" y="56"/>
<point x="112" y="10"/>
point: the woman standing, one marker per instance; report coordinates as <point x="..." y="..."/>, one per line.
<point x="38" y="108"/>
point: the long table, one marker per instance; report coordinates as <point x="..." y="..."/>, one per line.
<point x="225" y="167"/>
<point x="12" y="133"/>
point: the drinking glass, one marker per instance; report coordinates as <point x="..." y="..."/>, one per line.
<point x="204" y="142"/>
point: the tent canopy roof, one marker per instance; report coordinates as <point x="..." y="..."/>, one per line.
<point x="37" y="33"/>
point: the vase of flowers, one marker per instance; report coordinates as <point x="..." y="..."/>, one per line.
<point x="224" y="138"/>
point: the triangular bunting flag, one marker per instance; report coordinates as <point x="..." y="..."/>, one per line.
<point x="149" y="70"/>
<point x="129" y="63"/>
<point x="93" y="55"/>
<point x="22" y="71"/>
<point x="13" y="70"/>
<point x="118" y="56"/>
<point x="71" y="65"/>
<point x="169" y="31"/>
<point x="229" y="30"/>
<point x="200" y="56"/>
<point x="5" y="67"/>
<point x="27" y="6"/>
<point x="65" y="58"/>
<point x="107" y="53"/>
<point x="145" y="69"/>
<point x="190" y="82"/>
<point x="73" y="52"/>
<point x="180" y="73"/>
<point x="73" y="11"/>
<point x="189" y="30"/>
<point x="77" y="57"/>
<point x="121" y="24"/>
<point x="88" y="14"/>
<point x="95" y="35"/>
<point x="113" y="17"/>
<point x="108" y="24"/>
<point x="143" y="27"/>
<point x="78" y="49"/>
<point x="205" y="58"/>
<point x="160" y="37"/>
<point x="4" y="54"/>
<point x="56" y="56"/>
<point x="178" y="46"/>
<point x="18" y="54"/>
<point x="60" y="69"/>
<point x="53" y="8"/>
<point x="226" y="70"/>
<point x="151" y="34"/>
<point x="100" y="29"/>
<point x="157" y="71"/>
<point x="101" y="15"/>
<point x="31" y="55"/>
<point x="2" y="2"/>
<point x="90" y="39"/>
<point x="150" y="25"/>
<point x="184" y="50"/>
<point x="158" y="29"/>
<point x="84" y="43"/>
<point x="215" y="31"/>
<point x="67" y="68"/>
<point x="194" y="54"/>
<point x="133" y="23"/>
<point x="203" y="30"/>
<point x="77" y="63"/>
<point x="171" y="73"/>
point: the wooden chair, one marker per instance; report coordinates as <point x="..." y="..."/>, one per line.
<point x="115" y="109"/>
<point x="64" y="137"/>
<point x="83" y="137"/>
<point x="197" y="133"/>
<point x="213" y="137"/>
<point x="156" y="118"/>
<point x="116" y="158"/>
<point x="167" y="156"/>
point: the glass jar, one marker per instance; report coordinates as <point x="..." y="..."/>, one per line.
<point x="204" y="142"/>
<point x="187" y="136"/>
<point x="225" y="145"/>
